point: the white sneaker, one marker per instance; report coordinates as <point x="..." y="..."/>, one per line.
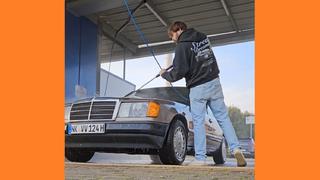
<point x="196" y="162"/>
<point x="241" y="161"/>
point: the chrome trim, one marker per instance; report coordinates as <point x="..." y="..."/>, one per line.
<point x="70" y="113"/>
<point x="135" y="119"/>
<point x="90" y="109"/>
<point x="114" y="115"/>
<point x="116" y="109"/>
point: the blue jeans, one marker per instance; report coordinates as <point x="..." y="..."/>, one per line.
<point x="210" y="93"/>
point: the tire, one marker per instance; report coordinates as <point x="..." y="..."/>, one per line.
<point x="155" y="159"/>
<point x="220" y="156"/>
<point x="174" y="149"/>
<point x="76" y="155"/>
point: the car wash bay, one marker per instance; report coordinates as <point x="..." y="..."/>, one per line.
<point x="93" y="27"/>
<point x="90" y="32"/>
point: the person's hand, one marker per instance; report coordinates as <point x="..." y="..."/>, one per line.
<point x="162" y="71"/>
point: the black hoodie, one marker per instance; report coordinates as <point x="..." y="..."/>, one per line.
<point x="194" y="60"/>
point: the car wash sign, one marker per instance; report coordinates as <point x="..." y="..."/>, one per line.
<point x="249" y="119"/>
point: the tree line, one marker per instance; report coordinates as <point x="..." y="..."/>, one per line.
<point x="239" y="122"/>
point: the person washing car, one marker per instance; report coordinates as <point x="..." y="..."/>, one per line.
<point x="194" y="60"/>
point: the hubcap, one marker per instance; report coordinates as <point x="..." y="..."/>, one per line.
<point x="179" y="143"/>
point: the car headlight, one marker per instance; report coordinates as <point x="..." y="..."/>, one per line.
<point x="67" y="110"/>
<point x="139" y="109"/>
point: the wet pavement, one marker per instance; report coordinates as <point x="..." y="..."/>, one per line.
<point x="140" y="167"/>
<point x="113" y="158"/>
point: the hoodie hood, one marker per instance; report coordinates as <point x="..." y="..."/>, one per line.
<point x="191" y="35"/>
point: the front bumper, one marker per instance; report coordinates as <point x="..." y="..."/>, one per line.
<point x="121" y="135"/>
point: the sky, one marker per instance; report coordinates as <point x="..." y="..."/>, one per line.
<point x="236" y="64"/>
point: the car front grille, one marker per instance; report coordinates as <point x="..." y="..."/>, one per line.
<point x="102" y="110"/>
<point x="95" y="110"/>
<point x="80" y="111"/>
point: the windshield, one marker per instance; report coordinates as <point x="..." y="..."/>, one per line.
<point x="176" y="94"/>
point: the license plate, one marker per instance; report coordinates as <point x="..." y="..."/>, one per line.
<point x="86" y="128"/>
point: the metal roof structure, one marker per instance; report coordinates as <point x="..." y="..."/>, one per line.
<point x="224" y="21"/>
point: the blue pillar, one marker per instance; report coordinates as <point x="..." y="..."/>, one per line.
<point x="81" y="58"/>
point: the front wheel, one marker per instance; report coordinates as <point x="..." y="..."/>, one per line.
<point x="76" y="155"/>
<point x="220" y="156"/>
<point x="175" y="148"/>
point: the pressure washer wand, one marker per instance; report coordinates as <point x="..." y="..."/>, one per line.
<point x="153" y="78"/>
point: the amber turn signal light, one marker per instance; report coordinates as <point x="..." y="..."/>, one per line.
<point x="153" y="109"/>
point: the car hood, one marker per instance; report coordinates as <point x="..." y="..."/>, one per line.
<point x="167" y="94"/>
<point x="175" y="94"/>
